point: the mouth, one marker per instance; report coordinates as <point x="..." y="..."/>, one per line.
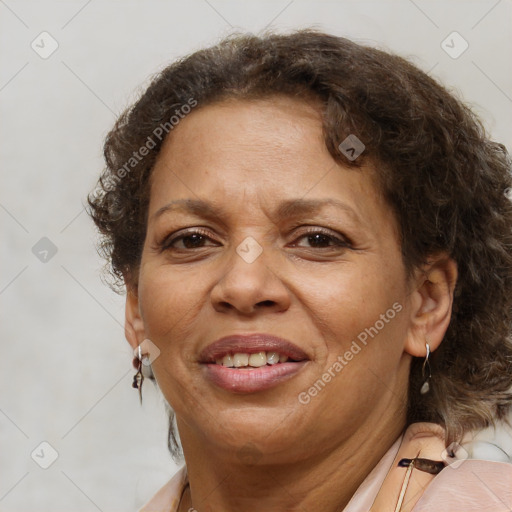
<point x="250" y="363"/>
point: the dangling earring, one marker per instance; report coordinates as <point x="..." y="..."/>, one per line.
<point x="425" y="388"/>
<point x="138" y="378"/>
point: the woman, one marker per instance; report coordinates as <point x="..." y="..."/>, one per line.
<point x="315" y="241"/>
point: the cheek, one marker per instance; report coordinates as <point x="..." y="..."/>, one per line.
<point x="352" y="299"/>
<point x="170" y="304"/>
<point x="169" y="307"/>
<point x="362" y="314"/>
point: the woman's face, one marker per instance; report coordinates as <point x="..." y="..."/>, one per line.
<point x="253" y="228"/>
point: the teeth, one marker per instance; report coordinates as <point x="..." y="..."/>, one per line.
<point x="257" y="360"/>
<point x="227" y="360"/>
<point x="272" y="357"/>
<point x="240" y="360"/>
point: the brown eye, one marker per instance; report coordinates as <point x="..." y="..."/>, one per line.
<point x="189" y="240"/>
<point x="320" y="239"/>
<point x="193" y="241"/>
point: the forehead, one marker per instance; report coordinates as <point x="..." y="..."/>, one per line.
<point x="269" y="128"/>
<point x="253" y="153"/>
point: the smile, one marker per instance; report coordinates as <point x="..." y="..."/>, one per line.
<point x="249" y="379"/>
<point x="257" y="360"/>
<point x="251" y="363"/>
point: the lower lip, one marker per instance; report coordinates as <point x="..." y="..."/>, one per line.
<point x="243" y="380"/>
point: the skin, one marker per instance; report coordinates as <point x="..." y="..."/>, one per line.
<point x="248" y="157"/>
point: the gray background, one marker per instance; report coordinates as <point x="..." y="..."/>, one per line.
<point x="65" y="365"/>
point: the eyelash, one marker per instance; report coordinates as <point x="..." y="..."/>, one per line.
<point x="339" y="241"/>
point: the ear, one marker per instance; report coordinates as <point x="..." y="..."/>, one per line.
<point x="432" y="298"/>
<point x="134" y="325"/>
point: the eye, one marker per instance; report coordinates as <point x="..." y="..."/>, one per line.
<point x="193" y="239"/>
<point x="322" y="239"/>
<point x="197" y="239"/>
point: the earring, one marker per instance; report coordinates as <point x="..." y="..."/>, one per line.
<point x="425" y="388"/>
<point x="138" y="378"/>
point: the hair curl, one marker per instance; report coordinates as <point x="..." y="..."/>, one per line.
<point x="445" y="181"/>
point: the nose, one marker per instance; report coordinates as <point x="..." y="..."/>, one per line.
<point x="249" y="288"/>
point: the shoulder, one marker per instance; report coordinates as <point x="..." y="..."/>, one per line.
<point x="168" y="497"/>
<point x="465" y="485"/>
<point x="472" y="486"/>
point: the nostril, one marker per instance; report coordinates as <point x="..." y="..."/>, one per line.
<point x="249" y="308"/>
<point x="266" y="303"/>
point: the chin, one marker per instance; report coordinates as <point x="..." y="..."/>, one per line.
<point x="262" y="428"/>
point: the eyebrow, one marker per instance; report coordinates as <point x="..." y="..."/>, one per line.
<point x="287" y="209"/>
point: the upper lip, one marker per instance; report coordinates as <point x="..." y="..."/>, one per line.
<point x="250" y="344"/>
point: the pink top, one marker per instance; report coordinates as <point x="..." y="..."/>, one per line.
<point x="462" y="486"/>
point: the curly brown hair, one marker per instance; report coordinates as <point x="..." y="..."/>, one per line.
<point x="446" y="182"/>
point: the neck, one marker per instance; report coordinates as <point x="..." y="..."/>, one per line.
<point x="323" y="481"/>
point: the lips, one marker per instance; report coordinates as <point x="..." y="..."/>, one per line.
<point x="251" y="344"/>
<point x="227" y="362"/>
